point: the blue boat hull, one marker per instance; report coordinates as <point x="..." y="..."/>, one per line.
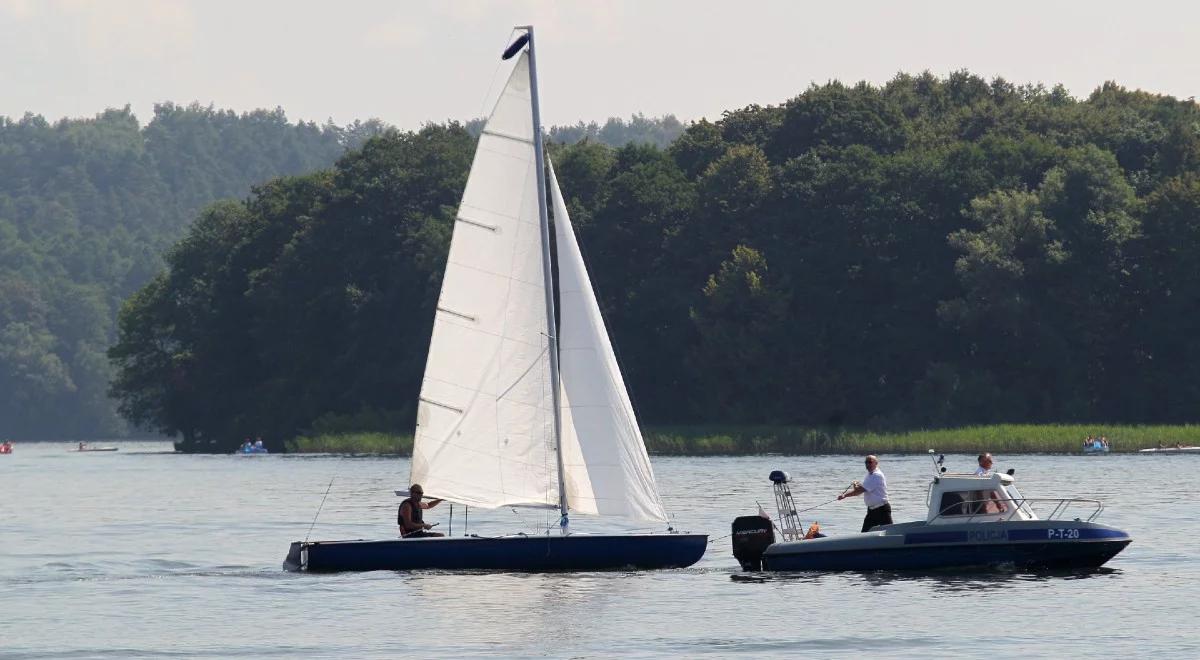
<point x="915" y="546"/>
<point x="580" y="552"/>
<point x="1023" y="556"/>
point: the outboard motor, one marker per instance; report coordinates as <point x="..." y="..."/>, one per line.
<point x="751" y="536"/>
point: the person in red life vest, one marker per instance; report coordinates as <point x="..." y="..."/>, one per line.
<point x="410" y="517"/>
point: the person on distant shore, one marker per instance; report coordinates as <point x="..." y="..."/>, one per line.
<point x="985" y="465"/>
<point x="874" y="491"/>
<point x="410" y="517"/>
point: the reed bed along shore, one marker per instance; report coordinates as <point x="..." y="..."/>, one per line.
<point x="352" y="443"/>
<point x="749" y="440"/>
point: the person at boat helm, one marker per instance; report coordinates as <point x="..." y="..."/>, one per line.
<point x="985" y="465"/>
<point x="874" y="491"/>
<point x="410" y="517"/>
<point x="986" y="501"/>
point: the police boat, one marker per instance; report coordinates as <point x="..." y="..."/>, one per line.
<point x="974" y="522"/>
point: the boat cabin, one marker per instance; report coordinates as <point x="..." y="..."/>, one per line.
<point x="956" y="498"/>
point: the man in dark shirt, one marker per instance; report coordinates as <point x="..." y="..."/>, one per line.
<point x="410" y="516"/>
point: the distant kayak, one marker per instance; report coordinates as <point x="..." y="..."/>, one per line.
<point x="251" y="451"/>
<point x="1170" y="450"/>
<point x="95" y="449"/>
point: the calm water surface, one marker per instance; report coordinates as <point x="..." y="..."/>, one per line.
<point x="143" y="553"/>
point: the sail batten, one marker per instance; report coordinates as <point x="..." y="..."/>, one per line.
<point x="490" y="400"/>
<point x="506" y="136"/>
<point x="483" y="434"/>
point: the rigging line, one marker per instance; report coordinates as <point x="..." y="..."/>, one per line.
<point x="492" y="84"/>
<point x="314" y="522"/>
<point x="596" y="294"/>
<point x="616" y="381"/>
<point x="612" y="378"/>
<point x="777" y="528"/>
<point x="817" y="506"/>
<point x="550" y="461"/>
<point x="517" y="381"/>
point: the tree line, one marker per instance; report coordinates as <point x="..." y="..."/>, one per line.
<point x="929" y="252"/>
<point x="86" y="209"/>
<point x="89" y="206"/>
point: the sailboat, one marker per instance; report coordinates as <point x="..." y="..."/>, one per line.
<point x="520" y="407"/>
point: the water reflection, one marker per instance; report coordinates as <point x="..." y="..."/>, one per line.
<point x="947" y="580"/>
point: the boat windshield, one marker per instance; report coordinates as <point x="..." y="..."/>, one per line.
<point x="1002" y="500"/>
<point x="973" y="502"/>
<point x="1023" y="509"/>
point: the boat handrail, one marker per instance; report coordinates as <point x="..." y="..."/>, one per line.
<point x="1061" y="505"/>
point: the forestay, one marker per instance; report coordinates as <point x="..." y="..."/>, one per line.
<point x="485" y="416"/>
<point x="606" y="467"/>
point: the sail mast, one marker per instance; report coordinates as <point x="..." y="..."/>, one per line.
<point x="544" y="217"/>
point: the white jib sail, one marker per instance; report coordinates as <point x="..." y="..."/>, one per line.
<point x="484" y="433"/>
<point x="606" y="469"/>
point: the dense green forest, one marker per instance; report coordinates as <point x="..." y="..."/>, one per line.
<point x="615" y="132"/>
<point x="87" y="209"/>
<point x="934" y="251"/>
<point x="930" y="252"/>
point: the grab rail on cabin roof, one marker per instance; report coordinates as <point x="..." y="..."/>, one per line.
<point x="1062" y="504"/>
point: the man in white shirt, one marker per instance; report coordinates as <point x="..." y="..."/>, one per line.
<point x="874" y="491"/>
<point x="986" y="501"/>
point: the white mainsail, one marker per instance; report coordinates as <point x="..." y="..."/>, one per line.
<point x="606" y="469"/>
<point x="484" y="432"/>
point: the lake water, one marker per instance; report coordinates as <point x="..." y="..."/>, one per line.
<point x="144" y="553"/>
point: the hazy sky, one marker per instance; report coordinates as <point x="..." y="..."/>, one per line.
<point x="407" y="62"/>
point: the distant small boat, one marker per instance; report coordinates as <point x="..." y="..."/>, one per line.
<point x="6" y="448"/>
<point x="94" y="449"/>
<point x="1096" y="447"/>
<point x="251" y="451"/>
<point x="1170" y="450"/>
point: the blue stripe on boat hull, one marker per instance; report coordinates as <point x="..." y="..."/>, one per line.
<point x="1088" y="554"/>
<point x="510" y="553"/>
<point x="1084" y="534"/>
